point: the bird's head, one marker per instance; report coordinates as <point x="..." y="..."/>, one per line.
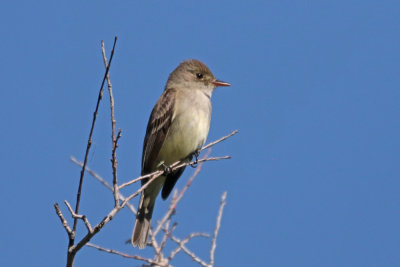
<point x="193" y="74"/>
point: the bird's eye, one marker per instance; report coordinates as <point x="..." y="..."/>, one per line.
<point x="199" y="76"/>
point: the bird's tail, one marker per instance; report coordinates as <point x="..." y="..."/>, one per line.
<point x="143" y="221"/>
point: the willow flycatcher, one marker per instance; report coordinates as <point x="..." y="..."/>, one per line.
<point x="177" y="129"/>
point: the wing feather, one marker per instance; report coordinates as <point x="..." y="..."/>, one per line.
<point x="157" y="129"/>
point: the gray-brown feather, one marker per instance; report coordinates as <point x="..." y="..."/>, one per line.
<point x="157" y="129"/>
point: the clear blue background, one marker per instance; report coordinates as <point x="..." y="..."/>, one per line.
<point x="314" y="179"/>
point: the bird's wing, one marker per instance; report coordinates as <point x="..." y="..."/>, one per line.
<point x="157" y="129"/>
<point x="170" y="182"/>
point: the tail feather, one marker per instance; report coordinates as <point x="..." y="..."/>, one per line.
<point x="143" y="222"/>
<point x="140" y="233"/>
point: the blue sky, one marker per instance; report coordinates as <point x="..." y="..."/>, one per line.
<point x="314" y="178"/>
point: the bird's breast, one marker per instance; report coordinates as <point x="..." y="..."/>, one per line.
<point x="189" y="128"/>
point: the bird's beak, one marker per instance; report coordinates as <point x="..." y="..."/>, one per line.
<point x="220" y="83"/>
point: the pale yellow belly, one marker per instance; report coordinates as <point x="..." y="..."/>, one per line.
<point x="188" y="133"/>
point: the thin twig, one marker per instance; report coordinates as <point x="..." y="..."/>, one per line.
<point x="167" y="234"/>
<point x="78" y="216"/>
<point x="179" y="164"/>
<point x="125" y="255"/>
<point x="220" y="140"/>
<point x="63" y="220"/>
<point x="188" y="252"/>
<point x="158" y="250"/>
<point x="172" y="167"/>
<point x="108" y="218"/>
<point x="113" y="138"/>
<point x="183" y="242"/>
<point x="103" y="182"/>
<point x="71" y="256"/>
<point x="89" y="144"/>
<point x="153" y="242"/>
<point x="166" y="219"/>
<point x="115" y="210"/>
<point x="217" y="226"/>
<point x="156" y="173"/>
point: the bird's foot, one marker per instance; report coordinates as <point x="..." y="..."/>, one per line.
<point x="196" y="156"/>
<point x="167" y="169"/>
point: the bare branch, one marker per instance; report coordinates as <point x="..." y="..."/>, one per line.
<point x="78" y="216"/>
<point x="183" y="242"/>
<point x="63" y="220"/>
<point x="103" y="182"/>
<point x="167" y="234"/>
<point x="158" y="250"/>
<point x="108" y="218"/>
<point x="114" y="163"/>
<point x="115" y="210"/>
<point x="113" y="138"/>
<point x="218" y="225"/>
<point x="179" y="164"/>
<point x="71" y="255"/>
<point x="153" y="242"/>
<point x="89" y="144"/>
<point x="188" y="252"/>
<point x="173" y="167"/>
<point x="125" y="255"/>
<point x="156" y="173"/>
<point x="220" y="140"/>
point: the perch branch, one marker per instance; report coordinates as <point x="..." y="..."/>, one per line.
<point x="179" y="164"/>
<point x="172" y="167"/>
<point x="220" y="140"/>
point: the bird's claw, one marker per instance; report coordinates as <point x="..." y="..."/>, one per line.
<point x="167" y="169"/>
<point x="196" y="156"/>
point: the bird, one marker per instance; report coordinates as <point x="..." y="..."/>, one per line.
<point x="177" y="129"/>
